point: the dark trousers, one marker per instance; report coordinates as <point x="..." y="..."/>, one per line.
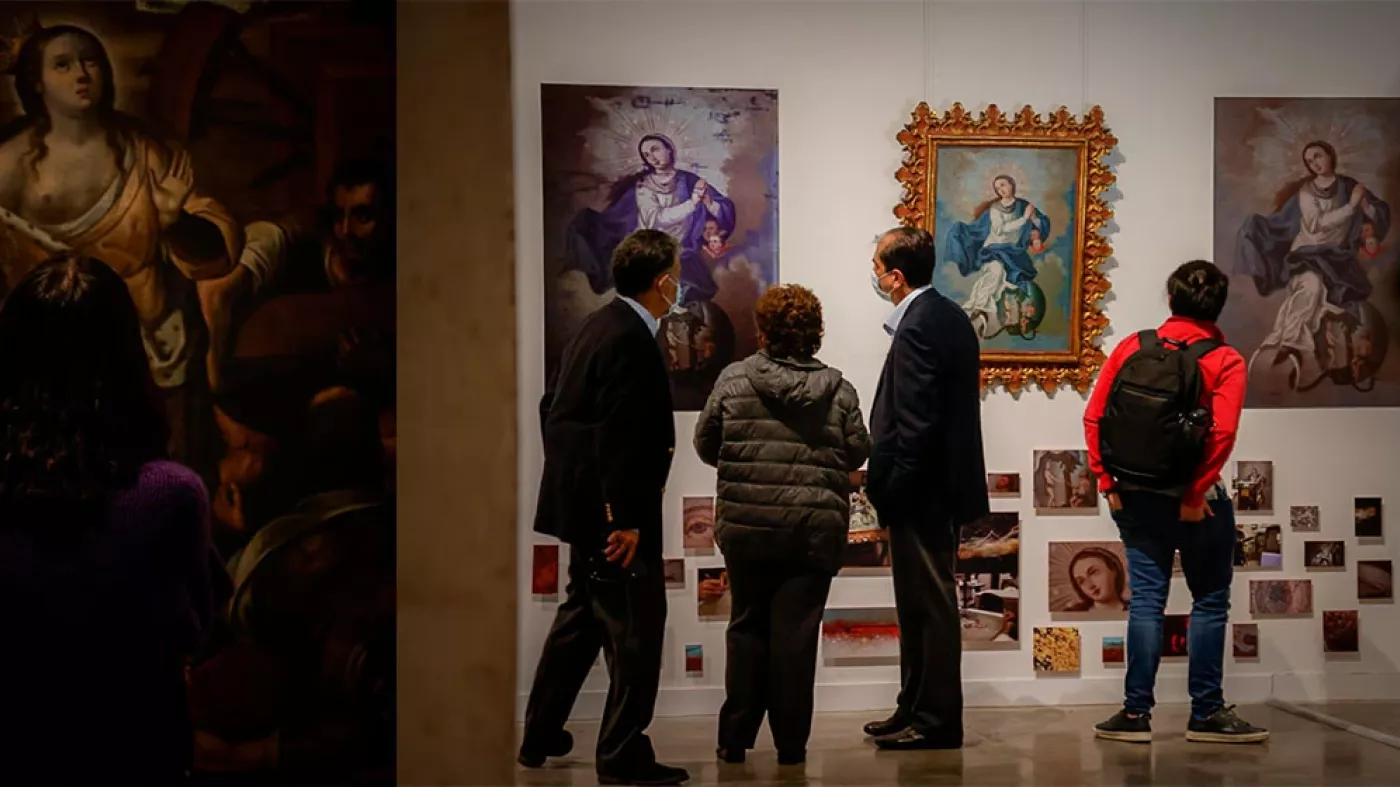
<point x="930" y="630"/>
<point x="1153" y="533"/>
<point x="771" y="653"/>
<point x="625" y="618"/>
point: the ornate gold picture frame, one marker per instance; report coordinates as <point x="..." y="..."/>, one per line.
<point x="1016" y="206"/>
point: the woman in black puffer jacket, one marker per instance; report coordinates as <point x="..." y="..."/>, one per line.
<point x="785" y="431"/>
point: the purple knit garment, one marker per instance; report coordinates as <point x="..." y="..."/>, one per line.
<point x="97" y="628"/>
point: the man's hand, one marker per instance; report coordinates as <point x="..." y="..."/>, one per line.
<point x="1190" y="513"/>
<point x="622" y="546"/>
<point x="1115" y="503"/>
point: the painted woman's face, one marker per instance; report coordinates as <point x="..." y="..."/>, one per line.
<point x="1093" y="576"/>
<point x="73" y="81"/>
<point x="657" y="155"/>
<point x="1003" y="188"/>
<point x="1318" y="161"/>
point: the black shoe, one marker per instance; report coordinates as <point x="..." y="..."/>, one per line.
<point x="1224" y="726"/>
<point x="796" y="757"/>
<point x="733" y="756"/>
<point x="1122" y="727"/>
<point x="910" y="739"/>
<point x="533" y="756"/>
<point x="652" y="775"/>
<point x="890" y="726"/>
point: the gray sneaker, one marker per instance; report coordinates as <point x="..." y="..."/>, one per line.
<point x="1224" y="726"/>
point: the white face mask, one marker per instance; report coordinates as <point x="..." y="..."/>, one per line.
<point x="875" y="285"/>
<point x="675" y="308"/>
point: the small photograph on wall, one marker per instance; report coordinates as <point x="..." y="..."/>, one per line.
<point x="1114" y="651"/>
<point x="1056" y="649"/>
<point x="1305" y="192"/>
<point x="1324" y="554"/>
<point x="695" y="660"/>
<point x="1254" y="487"/>
<point x="1004" y="485"/>
<point x="1089" y="578"/>
<point x="1246" y="640"/>
<point x="1340" y="631"/>
<point x="699" y="164"/>
<point x="989" y="582"/>
<point x="867" y="545"/>
<point x="1063" y="484"/>
<point x="698" y="515"/>
<point x="1368" y="518"/>
<point x="1280" y="597"/>
<point x="544" y="571"/>
<point x="1174" y="636"/>
<point x="1375" y="580"/>
<point x="1258" y="546"/>
<point x="860" y="637"/>
<point x="1305" y="518"/>
<point x="712" y="593"/>
<point x="674" y="570"/>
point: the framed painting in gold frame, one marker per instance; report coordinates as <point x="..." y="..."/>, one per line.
<point x="1016" y="207"/>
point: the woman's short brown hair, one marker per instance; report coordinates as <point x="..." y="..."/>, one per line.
<point x="790" y="319"/>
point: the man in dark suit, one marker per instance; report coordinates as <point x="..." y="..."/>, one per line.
<point x="609" y="437"/>
<point x="926" y="479"/>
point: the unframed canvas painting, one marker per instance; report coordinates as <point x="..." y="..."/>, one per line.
<point x="699" y="164"/>
<point x="1375" y="580"/>
<point x="1280" y="597"/>
<point x="1254" y="487"/>
<point x="234" y="163"/>
<point x="1063" y="484"/>
<point x="1055" y="649"/>
<point x="1258" y="546"/>
<point x="1305" y="193"/>
<point x="1089" y="578"/>
<point x="860" y="637"/>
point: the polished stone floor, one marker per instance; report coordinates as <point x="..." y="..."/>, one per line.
<point x="1031" y="746"/>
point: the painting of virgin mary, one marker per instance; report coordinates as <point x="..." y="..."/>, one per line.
<point x="997" y="246"/>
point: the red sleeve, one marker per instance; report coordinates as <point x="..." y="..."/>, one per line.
<point x="1094" y="411"/>
<point x="1225" y="401"/>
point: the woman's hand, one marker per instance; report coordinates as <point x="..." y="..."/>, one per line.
<point x="1358" y="195"/>
<point x="171" y="193"/>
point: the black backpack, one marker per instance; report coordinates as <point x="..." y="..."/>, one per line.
<point x="1153" y="429"/>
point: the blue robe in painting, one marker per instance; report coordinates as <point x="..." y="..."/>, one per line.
<point x="1264" y="250"/>
<point x="967" y="245"/>
<point x="593" y="235"/>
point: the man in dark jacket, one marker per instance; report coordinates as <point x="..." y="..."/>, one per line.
<point x="609" y="437"/>
<point x="927" y="479"/>
<point x="785" y="431"/>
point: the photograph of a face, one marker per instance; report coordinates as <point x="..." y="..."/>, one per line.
<point x="1056" y="649"/>
<point x="1305" y="518"/>
<point x="1340" y="631"/>
<point x="699" y="517"/>
<point x="1375" y="580"/>
<point x="1174" y="635"/>
<point x="544" y="573"/>
<point x="989" y="581"/>
<point x="712" y="593"/>
<point x="694" y="659"/>
<point x="1246" y="640"/>
<point x="1003" y="485"/>
<point x="1113" y="650"/>
<point x="1089" y="577"/>
<point x="674" y="571"/>
<point x="1254" y="487"/>
<point x="1064" y="485"/>
<point x="1368" y="517"/>
<point x="1280" y="597"/>
<point x="1324" y="554"/>
<point x="860" y="637"/>
<point x="1258" y="546"/>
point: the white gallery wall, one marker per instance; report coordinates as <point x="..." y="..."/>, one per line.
<point x="848" y="74"/>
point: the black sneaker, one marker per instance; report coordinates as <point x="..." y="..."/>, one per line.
<point x="1123" y="727"/>
<point x="1224" y="726"/>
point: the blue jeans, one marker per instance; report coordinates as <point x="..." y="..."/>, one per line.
<point x="1153" y="532"/>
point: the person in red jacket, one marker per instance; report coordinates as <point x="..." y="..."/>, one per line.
<point x="1200" y="522"/>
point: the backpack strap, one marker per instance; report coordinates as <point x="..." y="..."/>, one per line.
<point x="1195" y="351"/>
<point x="1149" y="340"/>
